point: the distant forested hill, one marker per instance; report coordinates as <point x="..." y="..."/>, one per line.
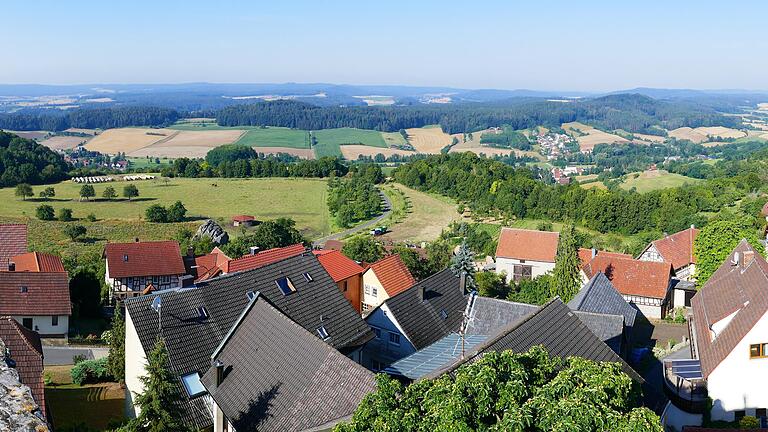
<point x="631" y="112"/>
<point x="101" y="118"/>
<point x="25" y="161"/>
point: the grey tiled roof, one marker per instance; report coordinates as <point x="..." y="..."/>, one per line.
<point x="600" y="296"/>
<point x="280" y="377"/>
<point x="422" y="320"/>
<point x="191" y="341"/>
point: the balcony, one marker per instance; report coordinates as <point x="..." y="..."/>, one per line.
<point x="685" y="385"/>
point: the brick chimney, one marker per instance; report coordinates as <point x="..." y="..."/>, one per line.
<point x="749" y="256"/>
<point x="463" y="283"/>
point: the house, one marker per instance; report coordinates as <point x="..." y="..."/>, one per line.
<point x="292" y="378"/>
<point x="131" y="267"/>
<point x="244" y="220"/>
<point x="599" y="296"/>
<point x="257" y="259"/>
<point x="414" y="319"/>
<point x="37" y="300"/>
<point x="19" y="407"/>
<point x="206" y="266"/>
<point x="586" y="255"/>
<point x="35" y="262"/>
<point x="196" y="320"/>
<point x="347" y="274"/>
<point x="729" y="337"/>
<point x="676" y="249"/>
<point x="383" y="279"/>
<point x="26" y="351"/>
<point x="13" y="242"/>
<point x="525" y="254"/>
<point x="645" y="284"/>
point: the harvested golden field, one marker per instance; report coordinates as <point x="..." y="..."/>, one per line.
<point x="686" y="133"/>
<point x="588" y="137"/>
<point x="428" y="139"/>
<point x="83" y="131"/>
<point x="63" y="142"/>
<point x="352" y="151"/>
<point x="426" y="215"/>
<point x="473" y="141"/>
<point x="701" y="134"/>
<point x="651" y="138"/>
<point x="127" y="140"/>
<point x="161" y="150"/>
<point x="212" y="138"/>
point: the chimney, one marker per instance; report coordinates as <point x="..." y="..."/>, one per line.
<point x="736" y="259"/>
<point x="187" y="281"/>
<point x="463" y="283"/>
<point x="594" y="252"/>
<point x="11" y="266"/>
<point x="219" y="365"/>
<point x="190" y="251"/>
<point x="254" y="250"/>
<point x="749" y="256"/>
<point x="421" y="292"/>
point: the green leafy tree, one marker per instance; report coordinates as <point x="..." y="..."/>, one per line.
<point x="716" y="241"/>
<point x="176" y="212"/>
<point x="85" y="292"/>
<point x="47" y="193"/>
<point x="45" y="212"/>
<point x="130" y="191"/>
<point x="24" y="190"/>
<point x="267" y="235"/>
<point x="464" y="263"/>
<point x="363" y="248"/>
<point x="75" y="231"/>
<point x="116" y="359"/>
<point x="566" y="279"/>
<point x="160" y="410"/>
<point x="109" y="193"/>
<point x="491" y="284"/>
<point x="87" y="191"/>
<point x="156" y="213"/>
<point x="64" y="215"/>
<point x="416" y="265"/>
<point x="506" y="391"/>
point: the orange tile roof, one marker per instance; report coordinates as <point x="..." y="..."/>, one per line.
<point x="393" y="274"/>
<point x="631" y="276"/>
<point x="37" y="262"/>
<point x="678" y="247"/>
<point x="527" y="244"/>
<point x="338" y="265"/>
<point x="243" y="218"/>
<point x="207" y="266"/>
<point x="269" y="256"/>
<point x="154" y="258"/>
<point x="585" y="255"/>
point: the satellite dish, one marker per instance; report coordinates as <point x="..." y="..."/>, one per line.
<point x="157" y="303"/>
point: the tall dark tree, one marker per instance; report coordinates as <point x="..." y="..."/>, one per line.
<point x="116" y="360"/>
<point x="464" y="263"/>
<point x="566" y="279"/>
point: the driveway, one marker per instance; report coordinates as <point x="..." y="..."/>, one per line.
<point x="62" y="355"/>
<point x="387" y="207"/>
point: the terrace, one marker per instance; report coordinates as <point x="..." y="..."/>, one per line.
<point x="685" y="385"/>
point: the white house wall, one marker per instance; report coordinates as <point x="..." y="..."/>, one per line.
<point x="539" y="268"/>
<point x="135" y="366"/>
<point x="370" y="280"/>
<point x="43" y="324"/>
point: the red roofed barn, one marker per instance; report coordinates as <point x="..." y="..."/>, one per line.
<point x="526" y="254"/>
<point x="131" y="267"/>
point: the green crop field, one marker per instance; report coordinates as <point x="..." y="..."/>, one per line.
<point x="393" y="138"/>
<point x="329" y="140"/>
<point x="275" y="137"/>
<point x="653" y="180"/>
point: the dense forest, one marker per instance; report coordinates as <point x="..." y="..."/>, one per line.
<point x="25" y="161"/>
<point x="355" y="197"/>
<point x="92" y="118"/>
<point x="493" y="188"/>
<point x="259" y="166"/>
<point x="634" y="113"/>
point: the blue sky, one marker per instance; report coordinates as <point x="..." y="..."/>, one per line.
<point x="545" y="45"/>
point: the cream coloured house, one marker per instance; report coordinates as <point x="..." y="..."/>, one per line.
<point x="525" y="254"/>
<point x="384" y="279"/>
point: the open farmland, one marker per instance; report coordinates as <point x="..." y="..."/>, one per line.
<point x="588" y="137"/>
<point x="61" y="142"/>
<point x="653" y="180"/>
<point x="188" y="143"/>
<point x="393" y="138"/>
<point x="275" y="137"/>
<point x="429" y="139"/>
<point x="425" y="215"/>
<point x="352" y="152"/>
<point x="127" y="140"/>
<point x="702" y="134"/>
<point x="35" y="135"/>
<point x="304" y="153"/>
<point x="329" y="141"/>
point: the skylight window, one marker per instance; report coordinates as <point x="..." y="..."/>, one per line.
<point x="193" y="385"/>
<point x="322" y="333"/>
<point x="443" y="314"/>
<point x="286" y="286"/>
<point x="251" y="295"/>
<point x="125" y="257"/>
<point x="202" y="312"/>
<point x="308" y="277"/>
<point x="23" y="289"/>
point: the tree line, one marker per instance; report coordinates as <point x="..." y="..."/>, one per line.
<point x="355" y="198"/>
<point x="25" y="161"/>
<point x="88" y="118"/>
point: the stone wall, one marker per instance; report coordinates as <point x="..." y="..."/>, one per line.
<point x="18" y="410"/>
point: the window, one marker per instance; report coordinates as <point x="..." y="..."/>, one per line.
<point x="286" y="286"/>
<point x="344" y="286"/>
<point x="308" y="277"/>
<point x="394" y="339"/>
<point x="377" y="331"/>
<point x="367" y="289"/>
<point x="374" y="291"/>
<point x="54" y="320"/>
<point x="192" y="384"/>
<point x="251" y="295"/>
<point x="202" y="312"/>
<point x="740" y="414"/>
<point x="27" y="322"/>
<point x="125" y="258"/>
<point x="322" y="332"/>
<point x="758" y="350"/>
<point x="376" y="365"/>
<point x="521" y="272"/>
<point x="761" y="412"/>
<point x="24" y="289"/>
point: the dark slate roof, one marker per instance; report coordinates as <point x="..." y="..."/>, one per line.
<point x="191" y="340"/>
<point x="600" y="296"/>
<point x="555" y="327"/>
<point x="422" y="320"/>
<point x="440" y="353"/>
<point x="280" y="377"/>
<point x="608" y="328"/>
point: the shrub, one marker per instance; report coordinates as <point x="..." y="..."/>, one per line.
<point x="91" y="217"/>
<point x="749" y="422"/>
<point x="78" y="359"/>
<point x="64" y="215"/>
<point x="90" y="371"/>
<point x="44" y="212"/>
<point x="75" y="231"/>
<point x="156" y="213"/>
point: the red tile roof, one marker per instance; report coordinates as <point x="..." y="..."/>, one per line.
<point x="677" y="248"/>
<point x="243" y="218"/>
<point x="738" y="286"/>
<point x="269" y="256"/>
<point x="155" y="258"/>
<point x="27" y="351"/>
<point x="333" y="245"/>
<point x="631" y="276"/>
<point x="204" y="267"/>
<point x="585" y="255"/>
<point x="393" y="275"/>
<point x="37" y="262"/>
<point x="13" y="241"/>
<point x="527" y="244"/>
<point x="338" y="265"/>
<point x="46" y="294"/>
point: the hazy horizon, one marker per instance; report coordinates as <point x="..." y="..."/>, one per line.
<point x="548" y="46"/>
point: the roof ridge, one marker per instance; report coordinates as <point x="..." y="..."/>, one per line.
<point x="529" y="230"/>
<point x="418" y="283"/>
<point x="20" y="331"/>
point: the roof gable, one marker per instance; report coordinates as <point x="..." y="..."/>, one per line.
<point x="677" y="248"/>
<point x="392" y="274"/>
<point x="154" y="258"/>
<point x="631" y="276"/>
<point x="33" y="293"/>
<point x="527" y="244"/>
<point x="338" y="265"/>
<point x="600" y="296"/>
<point x="13" y="241"/>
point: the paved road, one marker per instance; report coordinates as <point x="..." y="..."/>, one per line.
<point x="367" y="225"/>
<point x="62" y="355"/>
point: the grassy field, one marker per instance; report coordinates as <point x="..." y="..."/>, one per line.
<point x="144" y="162"/>
<point x="393" y="138"/>
<point x="68" y="403"/>
<point x="330" y="140"/>
<point x="653" y="180"/>
<point x="423" y="215"/>
<point x="275" y="137"/>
